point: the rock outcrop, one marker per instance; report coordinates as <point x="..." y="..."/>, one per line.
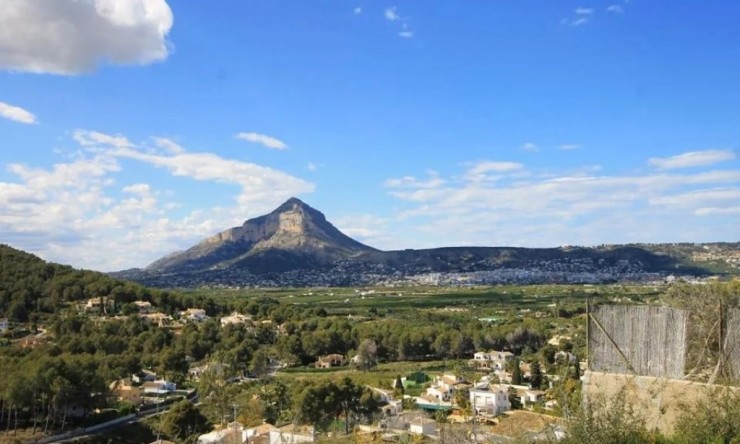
<point x="291" y="234"/>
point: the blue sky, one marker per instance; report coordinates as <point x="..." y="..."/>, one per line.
<point x="132" y="128"/>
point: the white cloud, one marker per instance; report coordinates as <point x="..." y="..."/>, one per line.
<point x="168" y="144"/>
<point x="64" y="213"/>
<point x="74" y="36"/>
<point x="615" y="9"/>
<point x="529" y="146"/>
<point x="357" y="11"/>
<point x="369" y="229"/>
<point x="717" y="211"/>
<point x="406" y="33"/>
<point x="567" y="208"/>
<point x="312" y="166"/>
<point x="692" y="159"/>
<point x="137" y="188"/>
<point x="93" y="138"/>
<point x="433" y="182"/>
<point x="697" y="198"/>
<point x="569" y="146"/>
<point x="582" y="17"/>
<point x="16" y="113"/>
<point x="390" y="14"/>
<point x="498" y="167"/>
<point x="263" y="139"/>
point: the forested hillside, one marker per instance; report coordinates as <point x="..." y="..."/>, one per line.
<point x="29" y="287"/>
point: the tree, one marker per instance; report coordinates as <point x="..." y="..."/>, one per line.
<point x="462" y="398"/>
<point x="260" y="363"/>
<point x="321" y="403"/>
<point x="576" y="373"/>
<point x="367" y="354"/>
<point x="712" y="419"/>
<point x="606" y="421"/>
<point x="184" y="420"/>
<point x="349" y="395"/>
<point x="440" y="416"/>
<point x="516" y="373"/>
<point x="317" y="405"/>
<point x="536" y="378"/>
<point x="548" y="353"/>
<point x="277" y="400"/>
<point x="174" y="365"/>
<point x="398" y="388"/>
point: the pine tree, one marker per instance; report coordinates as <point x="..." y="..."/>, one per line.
<point x="536" y="372"/>
<point x="516" y="374"/>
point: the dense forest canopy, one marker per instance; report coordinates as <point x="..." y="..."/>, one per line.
<point x="30" y="287"/>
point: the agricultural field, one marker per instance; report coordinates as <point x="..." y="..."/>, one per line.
<point x="483" y="300"/>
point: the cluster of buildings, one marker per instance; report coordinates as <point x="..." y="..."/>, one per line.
<point x="493" y="394"/>
<point x="147" y="311"/>
<point x="143" y="388"/>
<point x="235" y="433"/>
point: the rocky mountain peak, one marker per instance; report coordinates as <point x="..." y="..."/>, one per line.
<point x="293" y="228"/>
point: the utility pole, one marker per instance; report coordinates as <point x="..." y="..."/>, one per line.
<point x="588" y="335"/>
<point x="237" y="438"/>
<point x="475" y="416"/>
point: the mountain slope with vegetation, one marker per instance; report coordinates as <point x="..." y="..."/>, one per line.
<point x="30" y="286"/>
<point x="296" y="246"/>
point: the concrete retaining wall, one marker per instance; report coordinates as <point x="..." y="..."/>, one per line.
<point x="658" y="400"/>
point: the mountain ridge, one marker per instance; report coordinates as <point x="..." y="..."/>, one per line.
<point x="295" y="245"/>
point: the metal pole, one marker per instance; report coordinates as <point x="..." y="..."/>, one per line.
<point x="588" y="335"/>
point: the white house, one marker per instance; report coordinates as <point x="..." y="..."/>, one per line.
<point x="228" y="435"/>
<point x="156" y="318"/>
<point x="235" y="319"/>
<point x="98" y="303"/>
<point x="532" y="397"/>
<point x="158" y="387"/>
<point x="482" y="356"/>
<point x="491" y="360"/>
<point x="444" y="387"/>
<point x="193" y="315"/>
<point x="491" y="400"/>
<point x="551" y="404"/>
<point x="422" y="426"/>
<point x="260" y="432"/>
<point x="503" y="376"/>
<point x="144" y="306"/>
<point x="292" y="434"/>
<point x="502" y="356"/>
<point x="438" y="393"/>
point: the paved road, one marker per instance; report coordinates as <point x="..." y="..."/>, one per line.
<point x="139" y="417"/>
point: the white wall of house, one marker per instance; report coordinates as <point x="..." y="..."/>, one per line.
<point x="422" y="427"/>
<point x="437" y="392"/>
<point x="493" y="402"/>
<point x="280" y="437"/>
